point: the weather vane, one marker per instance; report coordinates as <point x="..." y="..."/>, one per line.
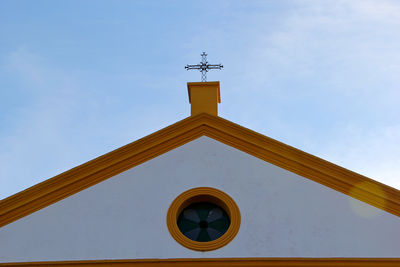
<point x="204" y="67"/>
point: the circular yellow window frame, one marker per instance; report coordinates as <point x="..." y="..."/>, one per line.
<point x="203" y="194"/>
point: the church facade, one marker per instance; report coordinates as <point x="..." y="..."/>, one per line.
<point x="203" y="192"/>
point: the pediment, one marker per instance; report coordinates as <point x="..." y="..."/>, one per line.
<point x="182" y="132"/>
<point x="125" y="217"/>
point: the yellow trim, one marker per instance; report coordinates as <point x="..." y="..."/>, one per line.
<point x="206" y="194"/>
<point x="217" y="84"/>
<point x="204" y="97"/>
<point x="265" y="148"/>
<point x="224" y="262"/>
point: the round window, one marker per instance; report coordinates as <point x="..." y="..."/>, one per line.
<point x="203" y="222"/>
<point x="203" y="218"/>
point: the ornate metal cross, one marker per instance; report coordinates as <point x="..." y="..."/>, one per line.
<point x="204" y="67"/>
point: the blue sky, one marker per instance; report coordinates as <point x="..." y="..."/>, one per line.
<point x="81" y="78"/>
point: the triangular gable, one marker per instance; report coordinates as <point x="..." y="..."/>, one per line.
<point x="133" y="154"/>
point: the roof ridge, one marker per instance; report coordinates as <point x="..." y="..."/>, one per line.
<point x="103" y="167"/>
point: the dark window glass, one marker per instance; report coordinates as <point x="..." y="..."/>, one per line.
<point x="203" y="222"/>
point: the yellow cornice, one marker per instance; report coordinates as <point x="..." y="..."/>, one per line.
<point x="224" y="262"/>
<point x="133" y="154"/>
<point x="205" y="84"/>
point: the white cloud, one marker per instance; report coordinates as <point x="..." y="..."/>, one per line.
<point x="318" y="75"/>
<point x="382" y="10"/>
<point x="326" y="77"/>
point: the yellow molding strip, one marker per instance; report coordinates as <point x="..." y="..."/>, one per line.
<point x="306" y="165"/>
<point x="204" y="194"/>
<point x="97" y="170"/>
<point x="224" y="262"/>
<point x="182" y="132"/>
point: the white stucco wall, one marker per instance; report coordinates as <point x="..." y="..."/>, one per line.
<point x="124" y="217"/>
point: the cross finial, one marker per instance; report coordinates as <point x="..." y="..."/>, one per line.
<point x="204" y="67"/>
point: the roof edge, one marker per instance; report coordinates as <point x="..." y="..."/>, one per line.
<point x="99" y="169"/>
<point x="306" y="165"/>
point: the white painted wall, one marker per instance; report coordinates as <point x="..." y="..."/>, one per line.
<point x="283" y="214"/>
